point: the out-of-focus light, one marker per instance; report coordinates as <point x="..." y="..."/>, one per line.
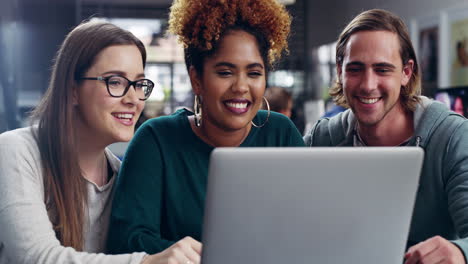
<point x="324" y="54"/>
<point x="287" y="2"/>
<point x="283" y="78"/>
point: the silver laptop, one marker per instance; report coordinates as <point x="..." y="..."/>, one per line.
<point x="309" y="205"/>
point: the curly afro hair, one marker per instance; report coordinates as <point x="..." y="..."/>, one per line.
<point x="201" y="23"/>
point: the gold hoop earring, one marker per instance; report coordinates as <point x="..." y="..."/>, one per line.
<point x="197" y="111"/>
<point x="268" y="115"/>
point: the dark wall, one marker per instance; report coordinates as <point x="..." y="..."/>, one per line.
<point x="325" y="20"/>
<point x="124" y="11"/>
<point x="30" y="34"/>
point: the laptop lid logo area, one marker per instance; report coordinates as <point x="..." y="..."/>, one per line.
<point x="309" y="205"/>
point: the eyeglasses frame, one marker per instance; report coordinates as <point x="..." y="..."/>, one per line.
<point x="130" y="83"/>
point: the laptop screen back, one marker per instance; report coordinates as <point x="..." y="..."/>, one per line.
<point x="309" y="205"/>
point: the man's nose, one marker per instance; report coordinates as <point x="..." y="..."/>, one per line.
<point x="369" y="80"/>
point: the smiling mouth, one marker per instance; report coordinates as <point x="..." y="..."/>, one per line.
<point x="368" y="100"/>
<point x="121" y="116"/>
<point x="237" y="106"/>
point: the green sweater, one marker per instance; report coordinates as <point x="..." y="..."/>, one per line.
<point x="160" y="194"/>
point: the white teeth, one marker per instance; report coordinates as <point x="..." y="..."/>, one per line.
<point x="237" y="105"/>
<point x="368" y="100"/>
<point x="124" y="116"/>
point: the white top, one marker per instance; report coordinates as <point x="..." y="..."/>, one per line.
<point x="26" y="233"/>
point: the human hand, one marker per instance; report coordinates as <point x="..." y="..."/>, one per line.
<point x="434" y="250"/>
<point x="185" y="251"/>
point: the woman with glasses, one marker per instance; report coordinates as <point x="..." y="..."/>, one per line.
<point x="229" y="47"/>
<point x="57" y="177"/>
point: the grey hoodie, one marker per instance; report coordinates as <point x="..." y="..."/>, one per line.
<point x="441" y="206"/>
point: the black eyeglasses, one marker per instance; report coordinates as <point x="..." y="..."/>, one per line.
<point x="117" y="86"/>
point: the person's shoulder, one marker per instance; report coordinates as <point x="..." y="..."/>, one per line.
<point x="438" y="113"/>
<point x="19" y="146"/>
<point x="169" y="126"/>
<point x="20" y="136"/>
<point x="438" y="121"/>
<point x="456" y="120"/>
<point x="340" y="120"/>
<point x="331" y="130"/>
<point x="273" y="121"/>
<point x="173" y="118"/>
<point x="275" y="129"/>
<point x="434" y="107"/>
<point x="274" y="116"/>
<point x="165" y="122"/>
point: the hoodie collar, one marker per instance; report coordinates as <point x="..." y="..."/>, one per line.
<point x="428" y="115"/>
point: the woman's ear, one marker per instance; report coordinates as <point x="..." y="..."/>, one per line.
<point x="195" y="80"/>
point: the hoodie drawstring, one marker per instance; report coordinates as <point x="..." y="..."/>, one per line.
<point x="418" y="140"/>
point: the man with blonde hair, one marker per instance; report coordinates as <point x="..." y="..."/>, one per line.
<point x="378" y="78"/>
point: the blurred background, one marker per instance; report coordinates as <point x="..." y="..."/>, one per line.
<point x="32" y="30"/>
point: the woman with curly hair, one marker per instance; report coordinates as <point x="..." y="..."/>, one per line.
<point x="229" y="47"/>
